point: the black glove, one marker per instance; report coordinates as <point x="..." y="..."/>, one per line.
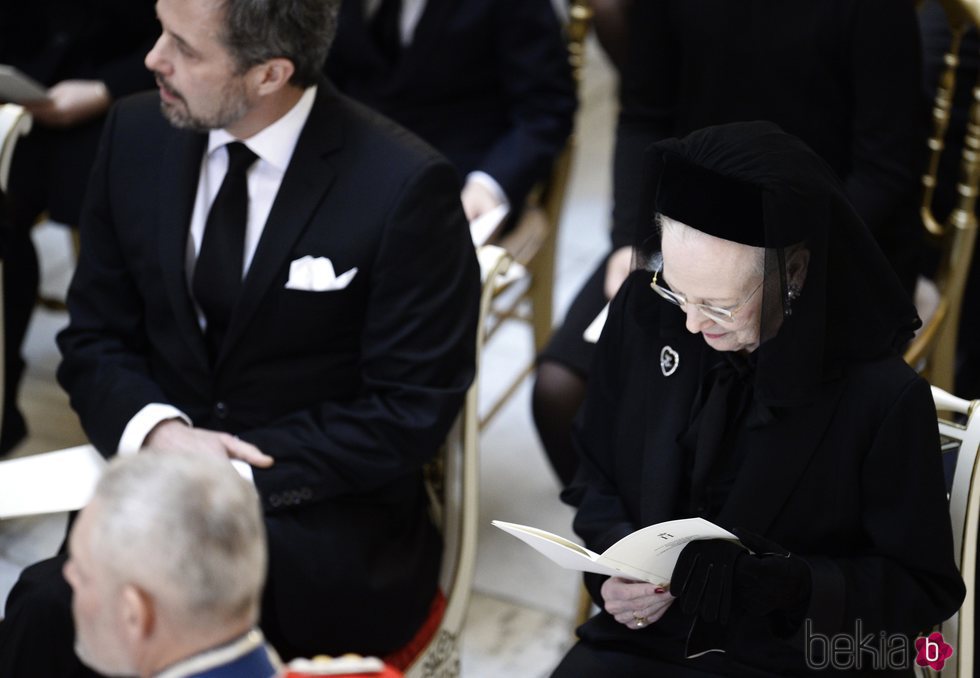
<point x="703" y="578"/>
<point x="770" y="580"/>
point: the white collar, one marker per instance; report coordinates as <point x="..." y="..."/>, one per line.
<point x="273" y="144"/>
<point x="219" y="656"/>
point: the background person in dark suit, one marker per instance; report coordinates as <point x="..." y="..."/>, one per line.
<point x="487" y="82"/>
<point x="337" y="367"/>
<point x="89" y="53"/>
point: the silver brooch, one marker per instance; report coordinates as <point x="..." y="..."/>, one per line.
<point x="669" y="360"/>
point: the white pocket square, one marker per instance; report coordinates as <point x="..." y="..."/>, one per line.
<point x="316" y="274"/>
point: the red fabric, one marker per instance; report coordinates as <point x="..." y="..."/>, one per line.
<point x="404" y="656"/>
<point x="399" y="660"/>
<point x="388" y="672"/>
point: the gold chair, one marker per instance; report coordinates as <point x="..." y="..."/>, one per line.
<point x="933" y="351"/>
<point x="453" y="483"/>
<point x="15" y="122"/>
<point x="964" y="510"/>
<point x="527" y="296"/>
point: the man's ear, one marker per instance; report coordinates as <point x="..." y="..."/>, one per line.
<point x="138" y="613"/>
<point x="272" y="75"/>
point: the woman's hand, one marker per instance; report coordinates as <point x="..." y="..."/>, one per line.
<point x="635" y="604"/>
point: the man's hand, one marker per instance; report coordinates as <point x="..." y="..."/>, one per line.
<point x="175" y="435"/>
<point x="477" y="199"/>
<point x="635" y="604"/>
<point x="70" y="103"/>
<point x="618" y="268"/>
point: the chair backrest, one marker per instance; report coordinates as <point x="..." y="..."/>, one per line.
<point x="532" y="244"/>
<point x="963" y="440"/>
<point x="15" y="122"/>
<point x="933" y="350"/>
<point x="453" y="483"/>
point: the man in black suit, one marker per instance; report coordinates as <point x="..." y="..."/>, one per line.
<point x="334" y="357"/>
<point x="89" y="53"/>
<point x="487" y="82"/>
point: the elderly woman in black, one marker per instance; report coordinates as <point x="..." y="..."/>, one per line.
<point x="749" y="373"/>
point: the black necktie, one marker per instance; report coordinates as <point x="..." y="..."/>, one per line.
<point x="218" y="272"/>
<point x="385" y="27"/>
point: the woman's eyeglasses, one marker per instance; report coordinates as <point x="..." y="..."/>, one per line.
<point x="717" y="313"/>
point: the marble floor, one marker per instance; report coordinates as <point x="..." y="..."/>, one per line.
<point x="520" y="620"/>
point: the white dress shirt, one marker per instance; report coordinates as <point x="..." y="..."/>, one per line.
<point x="274" y="147"/>
<point x="411" y="13"/>
<point x="225" y="654"/>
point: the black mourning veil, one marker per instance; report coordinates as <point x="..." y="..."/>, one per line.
<point x="752" y="183"/>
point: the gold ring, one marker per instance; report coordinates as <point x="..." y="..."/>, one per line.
<point x="640" y="621"/>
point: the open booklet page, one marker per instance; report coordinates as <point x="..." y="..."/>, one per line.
<point x="53" y="482"/>
<point x="485" y="225"/>
<point x="647" y="555"/>
<point x="15" y="87"/>
<point x="594" y="330"/>
<point x="49" y="483"/>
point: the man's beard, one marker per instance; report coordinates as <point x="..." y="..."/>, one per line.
<point x="232" y="107"/>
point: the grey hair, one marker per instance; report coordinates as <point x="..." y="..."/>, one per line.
<point x="189" y="530"/>
<point x="299" y="30"/>
<point x="684" y="230"/>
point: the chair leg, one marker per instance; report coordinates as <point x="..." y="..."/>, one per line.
<point x="541" y="295"/>
<point x="584" y="610"/>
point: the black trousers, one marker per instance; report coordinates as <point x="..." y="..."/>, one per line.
<point x="49" y="173"/>
<point x="37" y="635"/>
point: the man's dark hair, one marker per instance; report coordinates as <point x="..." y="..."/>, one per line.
<point x="299" y="30"/>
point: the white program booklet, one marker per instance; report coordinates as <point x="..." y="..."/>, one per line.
<point x="18" y="88"/>
<point x="646" y="555"/>
<point x="485" y="225"/>
<point x="49" y="483"/>
<point x="54" y="482"/>
<point x="594" y="330"/>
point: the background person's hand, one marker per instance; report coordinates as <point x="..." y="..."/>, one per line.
<point x="634" y="604"/>
<point x="175" y="435"/>
<point x="71" y="102"/>
<point x="618" y="268"/>
<point x="477" y="199"/>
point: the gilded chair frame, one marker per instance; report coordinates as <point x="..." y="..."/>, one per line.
<point x="964" y="510"/>
<point x="933" y="351"/>
<point x="453" y="483"/>
<point x="15" y="122"/>
<point x="532" y="245"/>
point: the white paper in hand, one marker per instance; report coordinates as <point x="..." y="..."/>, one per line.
<point x="49" y="483"/>
<point x="486" y="224"/>
<point x="649" y="554"/>
<point x="15" y="87"/>
<point x="594" y="330"/>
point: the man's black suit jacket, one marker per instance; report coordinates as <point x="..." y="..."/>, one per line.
<point x="351" y="391"/>
<point x="487" y="82"/>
